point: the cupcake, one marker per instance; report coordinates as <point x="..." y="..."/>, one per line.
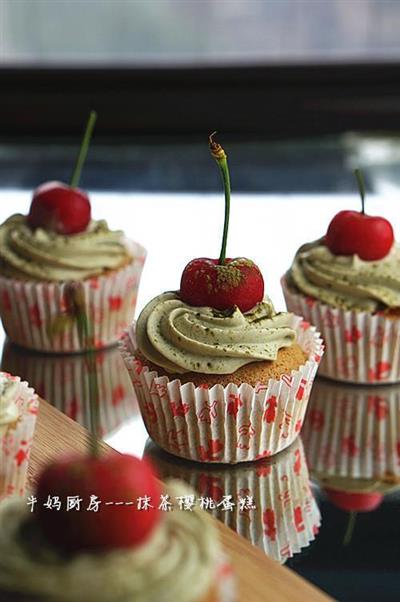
<point x="272" y="503"/>
<point x="354" y="432"/>
<point x="56" y="244"/>
<point x="116" y="552"/>
<point x="64" y="381"/>
<point x="18" y="411"/>
<point x="348" y="285"/>
<point x="9" y="407"/>
<point x="220" y="376"/>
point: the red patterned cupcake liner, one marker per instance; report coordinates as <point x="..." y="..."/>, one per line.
<point x="360" y="347"/>
<point x="16" y="442"/>
<point x="29" y="310"/>
<point x="225" y="424"/>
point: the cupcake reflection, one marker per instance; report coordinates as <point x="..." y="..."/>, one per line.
<point x="353" y="432"/>
<point x="269" y="502"/>
<point x="63" y="381"/>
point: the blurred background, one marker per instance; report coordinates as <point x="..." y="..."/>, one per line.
<point x="283" y="81"/>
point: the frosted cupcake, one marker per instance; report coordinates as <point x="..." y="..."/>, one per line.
<point x="348" y="285"/>
<point x="18" y="411"/>
<point x="117" y="553"/>
<point x="55" y="244"/>
<point x="270" y="502"/>
<point x="9" y="406"/>
<point x="219" y="375"/>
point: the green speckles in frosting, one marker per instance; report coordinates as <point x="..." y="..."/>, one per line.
<point x="347" y="281"/>
<point x="177" y="563"/>
<point x="43" y="255"/>
<point x="181" y="338"/>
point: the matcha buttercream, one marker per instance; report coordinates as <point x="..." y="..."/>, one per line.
<point x="178" y="563"/>
<point x="47" y="256"/>
<point x="181" y="338"/>
<point x="347" y="281"/>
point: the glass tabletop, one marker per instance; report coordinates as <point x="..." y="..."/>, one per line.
<point x="328" y="506"/>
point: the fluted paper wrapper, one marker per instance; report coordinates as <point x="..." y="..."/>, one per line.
<point x="353" y="432"/>
<point x="225" y="424"/>
<point x="30" y="310"/>
<point x="16" y="442"/>
<point x="286" y="517"/>
<point x="225" y="580"/>
<point x="360" y="347"/>
<point x="64" y="381"/>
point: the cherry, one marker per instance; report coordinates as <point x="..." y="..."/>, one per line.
<point x="112" y="478"/>
<point x="58" y="207"/>
<point x="354" y="502"/>
<point x="207" y="283"/>
<point x="355" y="233"/>
<point x="61" y="208"/>
<point x="222" y="283"/>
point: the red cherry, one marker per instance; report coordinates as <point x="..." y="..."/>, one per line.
<point x="112" y="478"/>
<point x="238" y="282"/>
<point x="354" y="502"/>
<point x="60" y="208"/>
<point x="354" y="233"/>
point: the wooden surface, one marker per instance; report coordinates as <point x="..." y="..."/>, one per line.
<point x="259" y="577"/>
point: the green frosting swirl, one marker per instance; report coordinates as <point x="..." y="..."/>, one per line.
<point x="177" y="563"/>
<point x="347" y="281"/>
<point x="181" y="338"/>
<point x="44" y="255"/>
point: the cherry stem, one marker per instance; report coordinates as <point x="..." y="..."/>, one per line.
<point x="86" y="339"/>
<point x="218" y="153"/>
<point x="350" y="529"/>
<point x="83" y="151"/>
<point x="361" y="188"/>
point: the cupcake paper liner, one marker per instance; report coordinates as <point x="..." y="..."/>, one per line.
<point x="225" y="580"/>
<point x="360" y="347"/>
<point x="353" y="431"/>
<point x="63" y="381"/>
<point x="30" y="310"/>
<point x="225" y="424"/>
<point x="16" y="442"/>
<point x="286" y="517"/>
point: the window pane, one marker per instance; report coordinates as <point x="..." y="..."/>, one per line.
<point x="143" y="32"/>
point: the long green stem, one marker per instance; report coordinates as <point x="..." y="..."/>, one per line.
<point x="361" y="188"/>
<point x="350" y="528"/>
<point x="219" y="155"/>
<point x="86" y="339"/>
<point x="83" y="151"/>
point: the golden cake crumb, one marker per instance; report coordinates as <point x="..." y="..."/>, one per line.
<point x="288" y="359"/>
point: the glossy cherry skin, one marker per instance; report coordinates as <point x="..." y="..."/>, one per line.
<point x="353" y="233"/>
<point x="112" y="478"/>
<point x="59" y="208"/>
<point x="238" y="282"/>
<point x="354" y="502"/>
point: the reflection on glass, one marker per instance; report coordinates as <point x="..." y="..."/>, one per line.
<point x="63" y="381"/>
<point x="286" y="517"/>
<point x="352" y="441"/>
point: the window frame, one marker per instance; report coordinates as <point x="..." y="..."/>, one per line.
<point x="270" y="102"/>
